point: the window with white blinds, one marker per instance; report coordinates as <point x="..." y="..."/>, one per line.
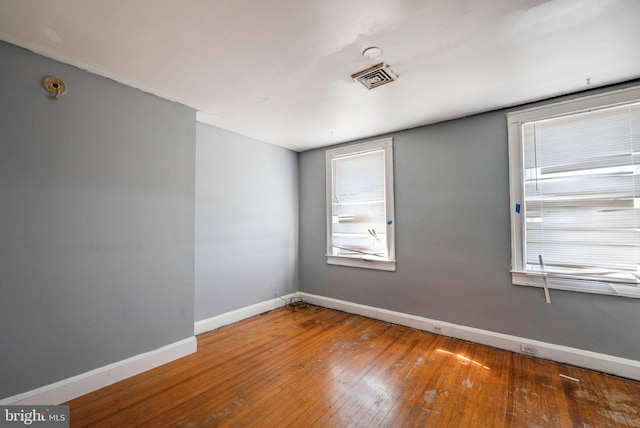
<point x="360" y="205"/>
<point x="575" y="184"/>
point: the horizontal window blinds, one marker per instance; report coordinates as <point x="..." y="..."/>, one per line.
<point x="582" y="194"/>
<point x="358" y="205"/>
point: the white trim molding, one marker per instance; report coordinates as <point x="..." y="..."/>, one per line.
<point x="362" y="262"/>
<point x="521" y="273"/>
<point x="563" y="354"/>
<point x="227" y="318"/>
<point x="387" y="261"/>
<point x="68" y="389"/>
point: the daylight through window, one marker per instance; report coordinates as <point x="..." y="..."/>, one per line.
<point x="360" y="205"/>
<point x="575" y="184"/>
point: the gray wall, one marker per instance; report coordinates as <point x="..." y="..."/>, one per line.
<point x="96" y="222"/>
<point x="453" y="245"/>
<point x="246" y="221"/>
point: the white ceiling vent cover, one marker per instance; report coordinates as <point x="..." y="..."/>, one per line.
<point x="375" y="76"/>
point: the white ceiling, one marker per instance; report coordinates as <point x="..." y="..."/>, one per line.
<point x="279" y="70"/>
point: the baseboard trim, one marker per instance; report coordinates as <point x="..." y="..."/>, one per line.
<point x="227" y="318"/>
<point x="67" y="389"/>
<point x="590" y="360"/>
<point x="75" y="386"/>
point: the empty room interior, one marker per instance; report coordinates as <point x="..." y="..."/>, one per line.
<point x="321" y="213"/>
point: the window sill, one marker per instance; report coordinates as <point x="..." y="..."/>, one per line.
<point x="584" y="286"/>
<point x="361" y="262"/>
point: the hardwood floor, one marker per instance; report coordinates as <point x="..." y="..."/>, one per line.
<point x="318" y="367"/>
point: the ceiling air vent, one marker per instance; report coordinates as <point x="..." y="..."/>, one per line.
<point x="375" y="76"/>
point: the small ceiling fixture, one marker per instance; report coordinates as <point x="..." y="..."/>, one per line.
<point x="372" y="52"/>
<point x="55" y="86"/>
<point x="375" y="76"/>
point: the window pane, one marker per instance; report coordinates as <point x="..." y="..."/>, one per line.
<point x="359" y="185"/>
<point x="582" y="193"/>
<point x="358" y="207"/>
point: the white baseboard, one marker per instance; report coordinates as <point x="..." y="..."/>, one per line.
<point x="563" y="354"/>
<point x="227" y="318"/>
<point x="75" y="386"/>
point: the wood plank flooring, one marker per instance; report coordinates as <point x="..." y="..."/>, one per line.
<point x="318" y="367"/>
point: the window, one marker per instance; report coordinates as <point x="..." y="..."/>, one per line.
<point x="360" y="224"/>
<point x="575" y="194"/>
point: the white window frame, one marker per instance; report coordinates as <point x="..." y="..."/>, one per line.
<point x="515" y="119"/>
<point x="389" y="263"/>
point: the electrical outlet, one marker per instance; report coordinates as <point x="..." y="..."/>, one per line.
<point x="528" y="349"/>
